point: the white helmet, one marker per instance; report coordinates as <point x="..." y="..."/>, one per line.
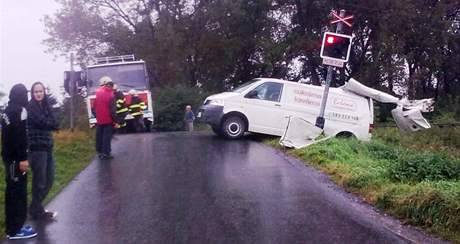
<point x="133" y="92"/>
<point x="105" y="80"/>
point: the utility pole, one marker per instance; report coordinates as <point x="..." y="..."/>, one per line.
<point x="71" y="92"/>
<point x="330" y="75"/>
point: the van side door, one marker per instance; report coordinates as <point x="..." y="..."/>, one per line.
<point x="263" y="108"/>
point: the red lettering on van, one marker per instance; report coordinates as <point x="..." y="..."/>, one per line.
<point x="345" y="104"/>
<point x="307" y="93"/>
<point x="306" y="101"/>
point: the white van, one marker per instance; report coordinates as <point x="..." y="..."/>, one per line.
<point x="264" y="105"/>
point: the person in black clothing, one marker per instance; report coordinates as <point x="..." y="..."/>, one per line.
<point x="40" y="124"/>
<point x="14" y="154"/>
<point x="119" y="110"/>
<point x="136" y="110"/>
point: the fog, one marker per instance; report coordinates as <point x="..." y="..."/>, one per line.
<point x="22" y="55"/>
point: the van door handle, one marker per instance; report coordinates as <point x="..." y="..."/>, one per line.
<point x="278" y="105"/>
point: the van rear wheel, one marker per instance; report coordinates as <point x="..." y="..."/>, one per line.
<point x="233" y="127"/>
<point x="345" y="134"/>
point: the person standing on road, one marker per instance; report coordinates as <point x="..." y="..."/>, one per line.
<point x="189" y="118"/>
<point x="14" y="155"/>
<point x="136" y="110"/>
<point x="104" y="125"/>
<point x="120" y="109"/>
<point x="40" y="125"/>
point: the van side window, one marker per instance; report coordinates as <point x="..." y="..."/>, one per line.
<point x="269" y="91"/>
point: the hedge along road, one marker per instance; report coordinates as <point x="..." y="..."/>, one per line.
<point x="197" y="188"/>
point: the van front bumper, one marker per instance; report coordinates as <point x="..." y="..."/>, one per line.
<point x="210" y="114"/>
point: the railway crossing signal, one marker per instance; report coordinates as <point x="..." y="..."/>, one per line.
<point x="345" y="19"/>
<point x="336" y="46"/>
<point x="335" y="51"/>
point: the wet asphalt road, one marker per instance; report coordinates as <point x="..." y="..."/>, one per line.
<point x="197" y="188"/>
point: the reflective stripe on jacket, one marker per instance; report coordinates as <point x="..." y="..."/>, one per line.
<point x="137" y="106"/>
<point x="121" y="108"/>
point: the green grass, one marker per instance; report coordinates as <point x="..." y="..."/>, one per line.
<point x="415" y="177"/>
<point x="72" y="153"/>
<point x="445" y="140"/>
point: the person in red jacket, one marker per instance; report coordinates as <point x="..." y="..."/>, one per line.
<point x="104" y="124"/>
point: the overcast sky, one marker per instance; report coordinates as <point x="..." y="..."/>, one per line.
<point x="23" y="58"/>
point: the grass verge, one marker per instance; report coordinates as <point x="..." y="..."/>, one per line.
<point x="415" y="177"/>
<point x="72" y="153"/>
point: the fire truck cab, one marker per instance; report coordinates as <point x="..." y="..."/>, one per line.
<point x="128" y="74"/>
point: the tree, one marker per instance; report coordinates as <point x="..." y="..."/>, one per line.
<point x="411" y="48"/>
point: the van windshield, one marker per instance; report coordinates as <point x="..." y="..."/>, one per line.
<point x="244" y="86"/>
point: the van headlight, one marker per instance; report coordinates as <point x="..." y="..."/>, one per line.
<point x="216" y="102"/>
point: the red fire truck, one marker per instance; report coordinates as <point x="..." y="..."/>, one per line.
<point x="128" y="74"/>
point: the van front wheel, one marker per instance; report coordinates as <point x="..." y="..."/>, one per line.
<point x="233" y="127"/>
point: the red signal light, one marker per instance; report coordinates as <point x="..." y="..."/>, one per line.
<point x="330" y="40"/>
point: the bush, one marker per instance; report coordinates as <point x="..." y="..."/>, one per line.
<point x="170" y="104"/>
<point x="424" y="166"/>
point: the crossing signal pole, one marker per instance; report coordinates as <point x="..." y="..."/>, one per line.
<point x="335" y="52"/>
<point x="71" y="92"/>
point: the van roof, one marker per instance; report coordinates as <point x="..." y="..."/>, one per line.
<point x="336" y="90"/>
<point x="274" y="79"/>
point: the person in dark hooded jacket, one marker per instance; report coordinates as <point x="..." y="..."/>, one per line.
<point x="40" y="125"/>
<point x="14" y="155"/>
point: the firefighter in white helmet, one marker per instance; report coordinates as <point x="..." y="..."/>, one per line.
<point x="104" y="117"/>
<point x="105" y="80"/>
